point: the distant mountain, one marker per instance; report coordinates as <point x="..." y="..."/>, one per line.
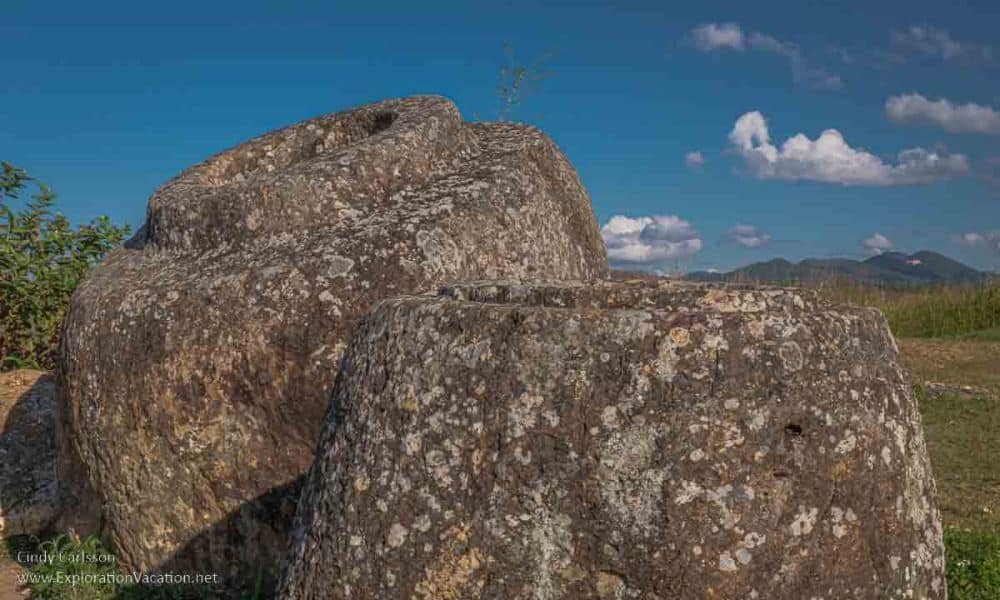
<point x="889" y="268"/>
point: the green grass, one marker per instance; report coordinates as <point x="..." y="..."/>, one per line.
<point x="973" y="560"/>
<point x="963" y="434"/>
<point x="963" y="437"/>
<point x="983" y="335"/>
<point x="945" y="311"/>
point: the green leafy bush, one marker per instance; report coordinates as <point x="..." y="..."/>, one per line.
<point x="973" y="560"/>
<point x="42" y="259"/>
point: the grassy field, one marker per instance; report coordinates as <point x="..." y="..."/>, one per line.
<point x="928" y="312"/>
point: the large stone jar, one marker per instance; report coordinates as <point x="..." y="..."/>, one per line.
<point x="197" y="361"/>
<point x="619" y="440"/>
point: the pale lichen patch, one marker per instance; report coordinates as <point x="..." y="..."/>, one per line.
<point x="397" y="535"/>
<point x="804" y="521"/>
<point x="847" y="444"/>
<point x="791" y="356"/>
<point x="726" y="562"/>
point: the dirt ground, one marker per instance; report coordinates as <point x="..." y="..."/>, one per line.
<point x="9" y="590"/>
<point x="971" y="363"/>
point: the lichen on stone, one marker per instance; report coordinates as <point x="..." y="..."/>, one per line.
<point x="602" y="453"/>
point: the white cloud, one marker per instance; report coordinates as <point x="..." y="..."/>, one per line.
<point x="694" y="159"/>
<point x="932" y="41"/>
<point x="649" y="240"/>
<point x="712" y="36"/>
<point x="956" y="118"/>
<point x="729" y="36"/>
<point x="830" y="159"/>
<point x="749" y="236"/>
<point x="988" y="239"/>
<point x="876" y="244"/>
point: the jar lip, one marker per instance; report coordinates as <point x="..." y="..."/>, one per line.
<point x="641" y="294"/>
<point x="339" y="158"/>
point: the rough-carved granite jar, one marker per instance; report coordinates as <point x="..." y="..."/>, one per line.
<point x="619" y="440"/>
<point x="196" y="362"/>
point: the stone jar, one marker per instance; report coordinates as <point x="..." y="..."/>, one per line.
<point x="196" y="362"/>
<point x="638" y="439"/>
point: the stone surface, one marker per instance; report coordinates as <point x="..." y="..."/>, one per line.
<point x="197" y="361"/>
<point x="28" y="498"/>
<point x="619" y="440"/>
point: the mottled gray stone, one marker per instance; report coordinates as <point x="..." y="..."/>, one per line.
<point x="197" y="361"/>
<point x="643" y="439"/>
<point x="28" y="491"/>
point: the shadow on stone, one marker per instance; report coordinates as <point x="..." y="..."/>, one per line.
<point x="264" y="522"/>
<point x="28" y="500"/>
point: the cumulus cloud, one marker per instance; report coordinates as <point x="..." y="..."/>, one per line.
<point x="712" y="36"/>
<point x="694" y="159"/>
<point x="931" y="41"/>
<point x="830" y="159"/>
<point x="730" y="36"/>
<point x="749" y="236"/>
<point x="956" y="118"/>
<point x="649" y="240"/>
<point x="987" y="239"/>
<point x="876" y="244"/>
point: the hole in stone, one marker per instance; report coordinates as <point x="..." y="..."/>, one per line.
<point x="793" y="430"/>
<point x="381" y="122"/>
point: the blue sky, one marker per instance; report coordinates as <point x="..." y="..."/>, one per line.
<point x="105" y="101"/>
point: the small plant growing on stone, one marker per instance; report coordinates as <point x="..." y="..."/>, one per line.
<point x="42" y="259"/>
<point x="518" y="81"/>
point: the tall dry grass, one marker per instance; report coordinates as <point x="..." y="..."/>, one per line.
<point x="917" y="311"/>
<point x="926" y="311"/>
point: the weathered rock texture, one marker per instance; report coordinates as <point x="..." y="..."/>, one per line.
<point x="28" y="502"/>
<point x="619" y="440"/>
<point x="197" y="361"/>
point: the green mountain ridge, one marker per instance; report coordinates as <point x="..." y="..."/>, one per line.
<point x="889" y="268"/>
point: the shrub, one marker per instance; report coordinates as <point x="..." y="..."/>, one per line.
<point x="973" y="560"/>
<point x="42" y="259"/>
